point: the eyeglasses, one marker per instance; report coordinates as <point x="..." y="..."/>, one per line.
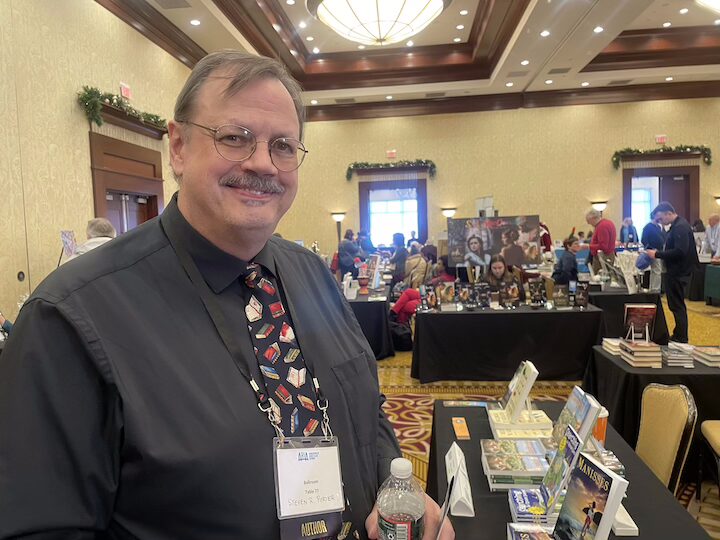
<point x="237" y="143"/>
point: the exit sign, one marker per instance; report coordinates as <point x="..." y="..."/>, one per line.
<point x="661" y="139"/>
<point x="125" y="91"/>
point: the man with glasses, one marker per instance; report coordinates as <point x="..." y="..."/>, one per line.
<point x="148" y="390"/>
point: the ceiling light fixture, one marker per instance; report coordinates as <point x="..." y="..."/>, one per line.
<point x="361" y="47"/>
<point x="309" y="38"/>
<point x="524" y="62"/>
<point x="717" y="22"/>
<point x="667" y="24"/>
<point x="457" y="40"/>
<point x="316" y="50"/>
<point x="668" y="79"/>
<point x="460" y="27"/>
<point x="388" y="98"/>
<point x="684" y="11"/>
<point x="276" y="27"/>
<point x="714" y="5"/>
<point x="313" y="102"/>
<point x="509" y="84"/>
<point x="195" y="22"/>
<point x="410" y="43"/>
<point x="545" y="33"/>
<point x="290" y="2"/>
<point x="376" y="23"/>
<point x="584" y="83"/>
<point x="549" y="81"/>
<point x="302" y="24"/>
<point x="598" y="29"/>
<point x="463" y="12"/>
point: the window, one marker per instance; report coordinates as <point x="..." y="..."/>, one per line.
<point x="644" y="199"/>
<point x="392" y="211"/>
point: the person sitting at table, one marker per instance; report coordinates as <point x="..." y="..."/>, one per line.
<point x="417" y="268"/>
<point x="500" y="277"/>
<point x="406" y="306"/>
<point x="581" y="237"/>
<point x="711" y="243"/>
<point x="365" y="243"/>
<point x="566" y="269"/>
<point x="347" y="251"/>
<point x="399" y="256"/>
<point x="5" y="324"/>
<point x="442" y="272"/>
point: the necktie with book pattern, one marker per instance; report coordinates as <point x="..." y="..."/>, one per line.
<point x="288" y="382"/>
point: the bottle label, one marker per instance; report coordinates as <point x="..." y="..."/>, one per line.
<point x="400" y="527"/>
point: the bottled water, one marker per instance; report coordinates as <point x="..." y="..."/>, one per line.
<point x="401" y="504"/>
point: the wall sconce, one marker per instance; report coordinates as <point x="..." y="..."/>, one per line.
<point x="338" y="218"/>
<point x="599" y="205"/>
<point x="448" y="212"/>
<point x="717" y="201"/>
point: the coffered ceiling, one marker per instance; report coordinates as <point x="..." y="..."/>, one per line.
<point x="477" y="55"/>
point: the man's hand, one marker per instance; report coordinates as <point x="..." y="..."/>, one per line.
<point x="432" y="523"/>
<point x="651" y="253"/>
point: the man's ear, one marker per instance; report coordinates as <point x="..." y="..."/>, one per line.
<point x="177" y="141"/>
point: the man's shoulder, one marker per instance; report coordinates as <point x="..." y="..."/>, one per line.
<point x="285" y="249"/>
<point x="114" y="256"/>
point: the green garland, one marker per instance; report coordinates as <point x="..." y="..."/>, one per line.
<point x="91" y="99"/>
<point x="426" y="163"/>
<point x="704" y="151"/>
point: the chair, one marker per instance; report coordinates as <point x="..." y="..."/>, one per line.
<point x="667" y="423"/>
<point x="710" y="430"/>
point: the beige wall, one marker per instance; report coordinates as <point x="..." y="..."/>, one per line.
<point x="550" y="161"/>
<point x="48" y="51"/>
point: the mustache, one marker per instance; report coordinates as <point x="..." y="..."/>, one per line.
<point x="253" y="182"/>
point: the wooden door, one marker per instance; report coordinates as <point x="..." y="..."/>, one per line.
<point x="675" y="189"/>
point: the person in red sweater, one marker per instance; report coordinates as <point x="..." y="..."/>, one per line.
<point x="603" y="239"/>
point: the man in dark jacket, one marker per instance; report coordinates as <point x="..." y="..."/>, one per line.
<point x="680" y="258"/>
<point x="653" y="237"/>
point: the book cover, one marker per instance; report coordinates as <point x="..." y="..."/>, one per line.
<point x="538" y="293"/>
<point x="521" y="390"/>
<point x="593" y="496"/>
<point x="445" y="293"/>
<point x="526" y="503"/>
<point x="641" y="319"/>
<point x="519" y="446"/>
<point x="561" y="297"/>
<point x="527" y="531"/>
<point x="582" y="294"/>
<point x="562" y="464"/>
<point x="482" y="294"/>
<point x="580" y="412"/>
<point x="514" y="465"/>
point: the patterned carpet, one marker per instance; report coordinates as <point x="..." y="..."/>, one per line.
<point x="409" y="407"/>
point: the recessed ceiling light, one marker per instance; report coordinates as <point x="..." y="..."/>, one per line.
<point x="410" y="43"/>
<point x="463" y="12"/>
<point x="293" y="52"/>
<point x="290" y="2"/>
<point x="549" y="81"/>
<point x="460" y="27"/>
<point x="361" y="47"/>
<point x="302" y="24"/>
<point x="668" y="79"/>
<point x="683" y="11"/>
<point x="598" y="29"/>
<point x="195" y="22"/>
<point x="585" y="83"/>
<point x="313" y="102"/>
<point x="667" y="24"/>
<point x="457" y="40"/>
<point x="509" y="84"/>
<point x="545" y="33"/>
<point x="717" y="22"/>
<point x="309" y="38"/>
<point x="276" y="27"/>
<point x="388" y="97"/>
<point x="524" y="62"/>
<point x="316" y="50"/>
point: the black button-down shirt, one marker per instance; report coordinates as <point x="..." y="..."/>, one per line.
<point x="122" y="414"/>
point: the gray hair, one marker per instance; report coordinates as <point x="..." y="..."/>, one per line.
<point x="594" y="214"/>
<point x="243" y="69"/>
<point x="100" y="227"/>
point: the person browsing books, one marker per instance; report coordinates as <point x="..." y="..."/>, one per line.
<point x="603" y="238"/>
<point x="680" y="258"/>
<point x="566" y="269"/>
<point x="653" y="237"/>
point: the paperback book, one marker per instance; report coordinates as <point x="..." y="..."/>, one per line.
<point x="582" y="294"/>
<point x="561" y="298"/>
<point x="537" y="292"/>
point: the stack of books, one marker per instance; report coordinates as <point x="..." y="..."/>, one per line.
<point x="710" y="356"/>
<point x="611" y="345"/>
<point x="641" y="353"/>
<point x="513" y="463"/>
<point x="678" y="355"/>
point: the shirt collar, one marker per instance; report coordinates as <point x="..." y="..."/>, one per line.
<point x="218" y="267"/>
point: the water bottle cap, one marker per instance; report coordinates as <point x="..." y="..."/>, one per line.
<point x="401" y="468"/>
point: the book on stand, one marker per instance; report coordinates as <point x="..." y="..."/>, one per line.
<point x="582" y="294"/>
<point x="639" y="321"/>
<point x="561" y="297"/>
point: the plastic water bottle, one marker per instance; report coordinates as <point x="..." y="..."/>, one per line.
<point x="401" y="504"/>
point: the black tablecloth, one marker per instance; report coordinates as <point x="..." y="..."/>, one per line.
<point x="488" y="345"/>
<point x="653" y="508"/>
<point x="373" y="319"/>
<point x="619" y="386"/>
<point x="613" y="305"/>
<point x="696" y="290"/>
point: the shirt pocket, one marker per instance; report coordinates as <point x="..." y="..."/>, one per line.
<point x="362" y="396"/>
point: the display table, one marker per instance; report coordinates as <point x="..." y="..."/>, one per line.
<point x="373" y="319"/>
<point x="613" y="301"/>
<point x="488" y="345"/>
<point x="712" y="284"/>
<point x="619" y="386"/>
<point x="696" y="289"/>
<point x="652" y="507"/>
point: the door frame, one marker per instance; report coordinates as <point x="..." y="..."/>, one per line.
<point x="692" y="172"/>
<point x="420" y="185"/>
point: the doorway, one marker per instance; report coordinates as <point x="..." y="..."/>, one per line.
<point x="643" y="189"/>
<point x="388" y="207"/>
<point x="127" y="210"/>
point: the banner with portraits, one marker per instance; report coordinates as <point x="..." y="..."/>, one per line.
<point x="473" y="241"/>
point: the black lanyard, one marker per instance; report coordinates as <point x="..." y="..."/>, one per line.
<point x="226" y="335"/>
